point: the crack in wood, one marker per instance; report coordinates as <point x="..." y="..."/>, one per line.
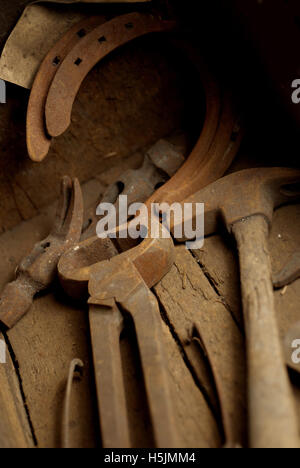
<point x="21" y="388"/>
<point x="188" y="364"/>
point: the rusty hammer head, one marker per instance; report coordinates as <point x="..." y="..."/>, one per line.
<point x="245" y="194"/>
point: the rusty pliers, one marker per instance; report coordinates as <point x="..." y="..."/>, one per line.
<point x="37" y="271"/>
<point x="116" y="286"/>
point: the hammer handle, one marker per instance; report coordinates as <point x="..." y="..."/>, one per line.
<point x="272" y="413"/>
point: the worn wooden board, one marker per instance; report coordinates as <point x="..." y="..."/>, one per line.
<point x="196" y="313"/>
<point x="15" y="429"/>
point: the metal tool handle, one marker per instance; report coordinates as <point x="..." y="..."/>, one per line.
<point x="106" y="324"/>
<point x="143" y="307"/>
<point x="272" y="413"/>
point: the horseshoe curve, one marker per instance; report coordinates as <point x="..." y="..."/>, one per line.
<point x="38" y="141"/>
<point x="85" y="55"/>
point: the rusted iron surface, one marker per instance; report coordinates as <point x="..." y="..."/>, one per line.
<point x="218" y="143"/>
<point x="245" y="201"/>
<point x="222" y="132"/>
<point x="289" y="273"/>
<point x="161" y="162"/>
<point x="124" y="281"/>
<point x="37" y="271"/>
<point x="214" y="152"/>
<point x="125" y="286"/>
<point x="38" y="141"/>
<point x="83" y="57"/>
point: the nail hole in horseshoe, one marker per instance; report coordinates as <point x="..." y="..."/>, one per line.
<point x="81" y="33"/>
<point x="56" y="61"/>
<point x="78" y="62"/>
<point x="46" y="245"/>
<point x="129" y="26"/>
<point x="102" y="39"/>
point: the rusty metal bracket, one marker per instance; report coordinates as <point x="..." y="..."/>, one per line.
<point x="37" y="271"/>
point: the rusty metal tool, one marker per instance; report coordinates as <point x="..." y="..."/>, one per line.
<point x="161" y="162"/>
<point x="211" y="157"/>
<point x="38" y="140"/>
<point x="85" y="55"/>
<point x="37" y="271"/>
<point x="245" y="202"/>
<point x="122" y="284"/>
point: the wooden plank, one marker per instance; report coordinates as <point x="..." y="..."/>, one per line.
<point x="193" y="307"/>
<point x="15" y="430"/>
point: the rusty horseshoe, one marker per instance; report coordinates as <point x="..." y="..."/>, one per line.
<point x="85" y="55"/>
<point x="38" y="140"/>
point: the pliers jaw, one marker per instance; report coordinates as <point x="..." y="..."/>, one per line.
<point x="37" y="271"/>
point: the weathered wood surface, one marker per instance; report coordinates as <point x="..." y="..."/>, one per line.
<point x="196" y="313"/>
<point x="15" y="429"/>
